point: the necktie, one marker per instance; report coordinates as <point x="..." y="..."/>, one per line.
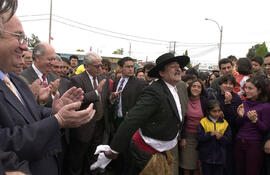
<point x="118" y="101"/>
<point x="11" y="87"/>
<point x="121" y="84"/>
<point x="95" y="82"/>
<point x="98" y="104"/>
<point x="44" y="78"/>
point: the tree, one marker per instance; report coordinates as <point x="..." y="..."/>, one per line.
<point x="262" y="50"/>
<point x="119" y="51"/>
<point x="80" y="50"/>
<point x="257" y="50"/>
<point x="189" y="65"/>
<point x="33" y="41"/>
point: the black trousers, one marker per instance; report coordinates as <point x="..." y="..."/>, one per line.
<point x="80" y="155"/>
<point x="212" y="169"/>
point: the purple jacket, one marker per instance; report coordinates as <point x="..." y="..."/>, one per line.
<point x="254" y="131"/>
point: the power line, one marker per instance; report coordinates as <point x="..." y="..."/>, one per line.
<point x="178" y="43"/>
<point x="105" y="30"/>
<point x="128" y="39"/>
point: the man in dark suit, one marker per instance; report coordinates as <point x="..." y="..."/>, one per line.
<point x="153" y="125"/>
<point x="29" y="130"/>
<point x="126" y="90"/>
<point x="87" y="137"/>
<point x="43" y="57"/>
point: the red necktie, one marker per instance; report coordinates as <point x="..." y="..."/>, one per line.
<point x="44" y="78"/>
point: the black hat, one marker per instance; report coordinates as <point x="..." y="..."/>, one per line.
<point x="166" y="59"/>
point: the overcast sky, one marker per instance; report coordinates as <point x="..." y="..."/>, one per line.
<point x="244" y="22"/>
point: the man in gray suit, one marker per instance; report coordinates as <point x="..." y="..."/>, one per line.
<point x="87" y="137"/>
<point x="43" y="57"/>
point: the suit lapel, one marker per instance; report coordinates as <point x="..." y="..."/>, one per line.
<point x="15" y="102"/>
<point x="87" y="82"/>
<point x="33" y="75"/>
<point x="171" y="99"/>
<point x="27" y="100"/>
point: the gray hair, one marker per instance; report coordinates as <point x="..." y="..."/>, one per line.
<point x="89" y="57"/>
<point x="58" y="58"/>
<point x="39" y="50"/>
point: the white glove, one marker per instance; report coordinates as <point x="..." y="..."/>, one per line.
<point x="102" y="161"/>
<point x="102" y="148"/>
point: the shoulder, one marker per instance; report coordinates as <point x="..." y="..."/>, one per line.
<point x="204" y="122"/>
<point x="181" y="85"/>
<point x="52" y="75"/>
<point x="16" y="78"/>
<point x="28" y="71"/>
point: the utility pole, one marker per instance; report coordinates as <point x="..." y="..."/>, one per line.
<point x="220" y="43"/>
<point x="129" y="52"/>
<point x="220" y="37"/>
<point x="172" y="46"/>
<point x="50" y="23"/>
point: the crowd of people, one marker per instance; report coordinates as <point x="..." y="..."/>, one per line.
<point x="58" y="117"/>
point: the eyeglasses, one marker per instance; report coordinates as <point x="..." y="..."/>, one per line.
<point x="21" y="36"/>
<point x="97" y="66"/>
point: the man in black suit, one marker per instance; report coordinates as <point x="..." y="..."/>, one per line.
<point x="87" y="137"/>
<point x="152" y="126"/>
<point x="41" y="70"/>
<point x="126" y="91"/>
<point x="28" y="129"/>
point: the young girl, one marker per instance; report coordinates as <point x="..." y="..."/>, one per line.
<point x="214" y="134"/>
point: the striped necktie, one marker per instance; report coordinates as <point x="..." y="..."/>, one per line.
<point x="11" y="87"/>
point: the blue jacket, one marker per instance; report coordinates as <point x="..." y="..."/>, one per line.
<point x="211" y="150"/>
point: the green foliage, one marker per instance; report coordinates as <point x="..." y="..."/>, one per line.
<point x="189" y="65"/>
<point x="33" y="41"/>
<point x="257" y="50"/>
<point x="262" y="50"/>
<point x="80" y="50"/>
<point x="119" y="51"/>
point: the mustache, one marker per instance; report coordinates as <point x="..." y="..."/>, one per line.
<point x="177" y="73"/>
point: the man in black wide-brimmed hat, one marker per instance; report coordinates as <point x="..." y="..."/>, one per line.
<point x="152" y="126"/>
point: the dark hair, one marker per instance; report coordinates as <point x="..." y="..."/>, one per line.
<point x="244" y="66"/>
<point x="261" y="85"/>
<point x="187" y="77"/>
<point x="107" y="63"/>
<point x="227" y="78"/>
<point x="192" y="71"/>
<point x="65" y="60"/>
<point x="211" y="104"/>
<point x="137" y="72"/>
<point x="232" y="57"/>
<point x="73" y="56"/>
<point x="203" y="76"/>
<point x="8" y="5"/>
<point x="257" y="59"/>
<point x="148" y="66"/>
<point x="267" y="55"/>
<point x="203" y="93"/>
<point x="213" y="73"/>
<point x="123" y="60"/>
<point x="224" y="61"/>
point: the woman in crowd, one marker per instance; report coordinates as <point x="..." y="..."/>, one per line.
<point x="253" y="121"/>
<point x="195" y="112"/>
<point x="211" y="77"/>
